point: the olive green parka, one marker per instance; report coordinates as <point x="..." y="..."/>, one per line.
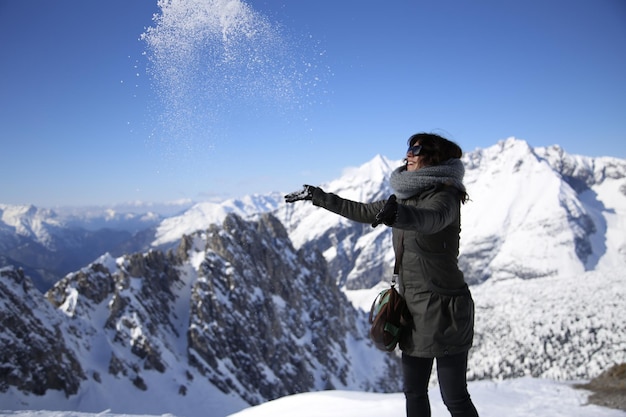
<point x="426" y="242"/>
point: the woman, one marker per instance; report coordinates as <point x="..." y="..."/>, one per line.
<point x="424" y="214"/>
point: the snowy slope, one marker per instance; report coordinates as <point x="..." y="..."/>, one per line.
<point x="513" y="398"/>
<point x="515" y="224"/>
<point x="526" y="219"/>
<point x="601" y="185"/>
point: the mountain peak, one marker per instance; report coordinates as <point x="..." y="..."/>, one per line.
<point x="375" y="169"/>
<point x="366" y="182"/>
<point x="507" y="151"/>
<point x="14" y="213"/>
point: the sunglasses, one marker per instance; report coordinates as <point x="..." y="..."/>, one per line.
<point x="414" y="150"/>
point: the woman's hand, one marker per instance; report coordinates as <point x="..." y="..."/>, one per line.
<point x="388" y="213"/>
<point x="305" y="194"/>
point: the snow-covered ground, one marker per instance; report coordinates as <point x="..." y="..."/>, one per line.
<point x="512" y="398"/>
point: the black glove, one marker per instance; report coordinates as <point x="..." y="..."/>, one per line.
<point x="305" y="194"/>
<point x="388" y="213"/>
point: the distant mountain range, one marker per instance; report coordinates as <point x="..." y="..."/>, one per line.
<point x="543" y="204"/>
<point x="239" y="302"/>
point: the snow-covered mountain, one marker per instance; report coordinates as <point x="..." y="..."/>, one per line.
<point x="543" y="204"/>
<point x="48" y="244"/>
<point x="234" y="316"/>
<point x="221" y="304"/>
<point x="533" y="213"/>
<point x="540" y="212"/>
<point x="202" y="215"/>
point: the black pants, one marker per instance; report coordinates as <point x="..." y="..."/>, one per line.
<point x="451" y="372"/>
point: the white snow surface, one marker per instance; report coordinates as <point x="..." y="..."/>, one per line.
<point x="512" y="398"/>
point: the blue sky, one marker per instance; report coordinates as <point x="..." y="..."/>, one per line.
<point x="95" y="113"/>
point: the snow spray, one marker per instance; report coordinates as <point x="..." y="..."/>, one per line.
<point x="211" y="61"/>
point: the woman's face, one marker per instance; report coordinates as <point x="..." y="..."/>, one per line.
<point x="413" y="159"/>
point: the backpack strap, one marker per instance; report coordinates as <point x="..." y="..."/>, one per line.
<point x="399" y="252"/>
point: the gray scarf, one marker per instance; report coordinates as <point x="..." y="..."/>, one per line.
<point x="406" y="184"/>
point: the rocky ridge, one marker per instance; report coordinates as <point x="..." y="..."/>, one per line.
<point x="234" y="307"/>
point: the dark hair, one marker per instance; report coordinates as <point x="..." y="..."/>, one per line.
<point x="435" y="148"/>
